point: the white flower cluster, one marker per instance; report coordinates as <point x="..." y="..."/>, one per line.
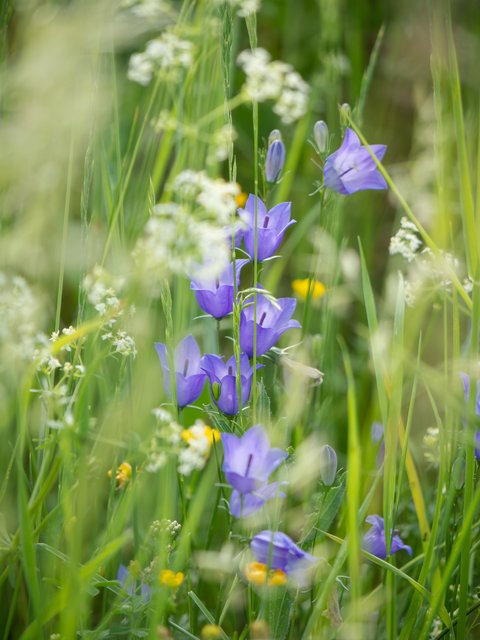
<point x="193" y="457"/>
<point x="192" y="445"/>
<point x="406" y="241"/>
<point x="101" y="290"/>
<point x="429" y="272"/>
<point x="166" y="55"/>
<point x="174" y="241"/>
<point x="216" y="197"/>
<point x="269" y="79"/>
<point x="165" y="439"/>
<point x="243" y="8"/>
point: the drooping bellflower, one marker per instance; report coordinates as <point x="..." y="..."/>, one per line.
<point x="271" y="323"/>
<point x="189" y="377"/>
<point x="215" y="295"/>
<point x="271" y="226"/>
<point x="223" y="381"/>
<point x="351" y="168"/>
<point x="466" y="388"/>
<point x="276" y="550"/>
<point x="374" y="540"/>
<point x="247" y="464"/>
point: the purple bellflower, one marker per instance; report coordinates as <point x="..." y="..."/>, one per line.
<point x="247" y="463"/>
<point x="271" y="323"/>
<point x="271" y="226"/>
<point x="374" y="539"/>
<point x="223" y="381"/>
<point x="278" y="551"/>
<point x="189" y="377"/>
<point x="466" y="388"/>
<point x="129" y="584"/>
<point x="215" y="296"/>
<point x="351" y="168"/>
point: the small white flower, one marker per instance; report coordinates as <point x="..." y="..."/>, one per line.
<point x="406" y="241"/>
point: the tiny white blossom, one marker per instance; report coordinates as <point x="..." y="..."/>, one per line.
<point x="406" y="241"/>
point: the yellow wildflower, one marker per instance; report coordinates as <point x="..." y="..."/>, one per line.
<point x="241" y="199"/>
<point x="213" y="435"/>
<point x="211" y="631"/>
<point x="303" y="286"/>
<point x="123" y="474"/>
<point x="256" y="573"/>
<point x="171" y="579"/>
<point x="277" y="578"/>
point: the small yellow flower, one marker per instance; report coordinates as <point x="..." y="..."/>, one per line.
<point x="277" y="578"/>
<point x="171" y="579"/>
<point x="303" y="286"/>
<point x="123" y="474"/>
<point x="211" y="631"/>
<point x="241" y="199"/>
<point x="256" y="573"/>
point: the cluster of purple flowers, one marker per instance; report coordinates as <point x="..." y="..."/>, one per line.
<point x="249" y="461"/>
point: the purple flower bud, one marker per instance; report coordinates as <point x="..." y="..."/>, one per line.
<point x="271" y="321"/>
<point x="278" y="551"/>
<point x="271" y="226"/>
<point x="189" y="377"/>
<point x="328" y="464"/>
<point x="223" y="381"/>
<point x="320" y="135"/>
<point x="351" y="168"/>
<point x="275" y="161"/>
<point x="374" y="540"/>
<point x="215" y="295"/>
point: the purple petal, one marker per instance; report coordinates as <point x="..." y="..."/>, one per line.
<point x="248" y="213"/>
<point x="162" y="354"/>
<point x="187" y="350"/>
<point x="227" y="401"/>
<point x="213" y="366"/>
<point x="280" y="215"/>
<point x="189" y="388"/>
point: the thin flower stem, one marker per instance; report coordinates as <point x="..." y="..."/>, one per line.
<point x="252" y="34"/>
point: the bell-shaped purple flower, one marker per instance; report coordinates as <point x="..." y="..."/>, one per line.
<point x="274" y="161"/>
<point x="215" y="295"/>
<point x="248" y="461"/>
<point x="374" y="540"/>
<point x="271" y="322"/>
<point x="351" y="168"/>
<point x="223" y="381"/>
<point x="278" y="551"/>
<point x="466" y="388"/>
<point x="271" y="226"/>
<point x="189" y="377"/>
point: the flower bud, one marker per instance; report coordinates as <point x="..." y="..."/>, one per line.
<point x="345" y="113"/>
<point x="274" y="161"/>
<point x="259" y="630"/>
<point x="328" y="464"/>
<point x="274" y="135"/>
<point x="320" y="135"/>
